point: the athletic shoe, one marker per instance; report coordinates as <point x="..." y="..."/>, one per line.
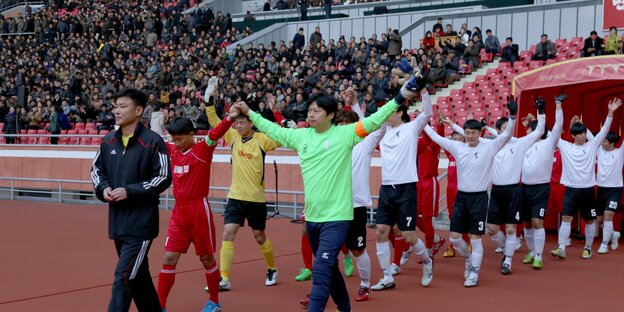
<point x="438" y="245"/>
<point x="224" y="284"/>
<point x="405" y="256"/>
<point x="471" y="282"/>
<point x="449" y="253"/>
<point x="427" y="276"/>
<point x="505" y="269"/>
<point x="528" y="259"/>
<point x="518" y="242"/>
<point x="348" y="264"/>
<point x="558" y="252"/>
<point x="305" y="302"/>
<point x="362" y="294"/>
<point x="537" y="264"/>
<point x="603" y="249"/>
<point x="385" y="283"/>
<point x="304" y="275"/>
<point x="614" y="240"/>
<point x="395" y="269"/>
<point x="499" y="250"/>
<point x="211" y="307"/>
<point x="271" y="277"/>
<point x="587" y="253"/>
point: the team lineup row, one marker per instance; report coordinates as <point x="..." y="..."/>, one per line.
<point x="336" y="144"/>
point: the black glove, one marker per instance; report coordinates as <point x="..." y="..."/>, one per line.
<point x="484" y="123"/>
<point x="561" y="97"/>
<point x="540" y="104"/>
<point x="512" y="106"/>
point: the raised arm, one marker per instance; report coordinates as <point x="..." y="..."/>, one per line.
<point x="371" y="141"/>
<point x="219" y="131"/>
<point x="284" y="136"/>
<point x="504" y="137"/>
<point x="446" y="144"/>
<point x="422" y="119"/>
<point x="600" y="137"/>
<point x="540" y="104"/>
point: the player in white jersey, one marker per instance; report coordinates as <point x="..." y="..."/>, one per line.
<point x="397" y="195"/>
<point x="474" y="169"/>
<point x="579" y="178"/>
<point x="506" y="195"/>
<point x="609" y="181"/>
<point x="536" y="170"/>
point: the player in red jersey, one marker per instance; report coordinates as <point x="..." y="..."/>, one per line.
<point x="191" y="219"/>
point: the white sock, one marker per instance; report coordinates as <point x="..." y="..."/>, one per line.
<point x="383" y="255"/>
<point x="607" y="232"/>
<point x="540" y="240"/>
<point x="564" y="233"/>
<point x="421" y="251"/>
<point x="499" y="238"/>
<point x="364" y="269"/>
<point x="590" y="233"/>
<point x="528" y="237"/>
<point x="460" y="246"/>
<point x="436" y="238"/>
<point x="476" y="256"/>
<point x="510" y="248"/>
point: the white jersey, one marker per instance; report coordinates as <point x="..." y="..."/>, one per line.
<point x="579" y="161"/>
<point x="506" y="169"/>
<point x="610" y="165"/>
<point x="399" y="147"/>
<point x="537" y="163"/>
<point x="360" y="168"/>
<point x="474" y="164"/>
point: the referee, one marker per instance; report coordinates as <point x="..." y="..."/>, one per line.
<point x="129" y="172"/>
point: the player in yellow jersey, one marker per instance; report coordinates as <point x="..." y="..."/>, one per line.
<point x="246" y="196"/>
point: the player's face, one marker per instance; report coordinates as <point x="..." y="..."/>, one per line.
<point x="472" y="137"/>
<point x="318" y="116"/>
<point x="243" y="126"/>
<point x="126" y="112"/>
<point x="607" y="146"/>
<point x="458" y="137"/>
<point x="183" y="141"/>
<point x="580" y="138"/>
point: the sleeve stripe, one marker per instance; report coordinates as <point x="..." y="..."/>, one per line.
<point x="162" y="174"/>
<point x="359" y="130"/>
<point x="95" y="177"/>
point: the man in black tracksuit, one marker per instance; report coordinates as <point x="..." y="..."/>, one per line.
<point x="129" y="172"/>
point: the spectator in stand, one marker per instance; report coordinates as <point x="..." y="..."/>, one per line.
<point x="492" y="45"/>
<point x="476" y="32"/>
<point x="316" y="37"/>
<point x="449" y="31"/>
<point x="452" y="66"/>
<point x="465" y="26"/>
<point x="11" y="125"/>
<point x="157" y="122"/>
<point x="438" y="25"/>
<point x="594" y="45"/>
<point x="267" y="6"/>
<point x="299" y="40"/>
<point x="464" y="35"/>
<point x="395" y="43"/>
<point x="438" y="73"/>
<point x="249" y="17"/>
<point x="105" y="119"/>
<point x="428" y="42"/>
<point x="613" y="44"/>
<point x="327" y="5"/>
<point x="510" y="52"/>
<point x="55" y="125"/>
<point x="303" y="9"/>
<point x="471" y="54"/>
<point x="544" y="50"/>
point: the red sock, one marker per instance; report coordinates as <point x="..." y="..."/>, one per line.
<point x="212" y="279"/>
<point x="519" y="229"/>
<point x="306" y="252"/>
<point x="166" y="278"/>
<point x="392" y="238"/>
<point x="399" y="247"/>
<point x="429" y="232"/>
<point x="466" y="239"/>
<point x="344" y="249"/>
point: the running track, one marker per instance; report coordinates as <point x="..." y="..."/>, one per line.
<point x="57" y="257"/>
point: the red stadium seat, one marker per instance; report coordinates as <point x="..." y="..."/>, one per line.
<point x="72" y="140"/>
<point x="104" y="132"/>
<point x="79" y="126"/>
<point x="90" y="126"/>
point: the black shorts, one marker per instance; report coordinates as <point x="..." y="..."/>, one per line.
<point x="583" y="199"/>
<point x="397" y="205"/>
<point x="608" y="199"/>
<point x="236" y="211"/>
<point x="469" y="213"/>
<point x="356" y="238"/>
<point x="505" y="203"/>
<point x="535" y="201"/>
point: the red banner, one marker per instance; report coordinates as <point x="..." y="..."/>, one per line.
<point x="613" y="14"/>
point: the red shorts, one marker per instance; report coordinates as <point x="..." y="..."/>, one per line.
<point x="428" y="191"/>
<point x="555" y="201"/>
<point x="451" y="193"/>
<point x="191" y="222"/>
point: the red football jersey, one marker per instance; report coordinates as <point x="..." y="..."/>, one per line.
<point x="555" y="177"/>
<point x="452" y="169"/>
<point x="191" y="170"/>
<point x="428" y="156"/>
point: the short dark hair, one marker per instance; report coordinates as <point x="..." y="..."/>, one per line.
<point x="533" y="126"/>
<point x="347" y="117"/>
<point x="455" y="132"/>
<point x="325" y="101"/>
<point x="612" y="138"/>
<point x="181" y="125"/>
<point x="544" y="35"/>
<point x="612" y="28"/>
<point x="473" y="124"/>
<point x="300" y="28"/>
<point x="138" y="98"/>
<point x="488" y="31"/>
<point x="439" y="18"/>
<point x="405" y="117"/>
<point x="510" y="39"/>
<point x="578" y="128"/>
<point x="593" y="32"/>
<point x="500" y="122"/>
